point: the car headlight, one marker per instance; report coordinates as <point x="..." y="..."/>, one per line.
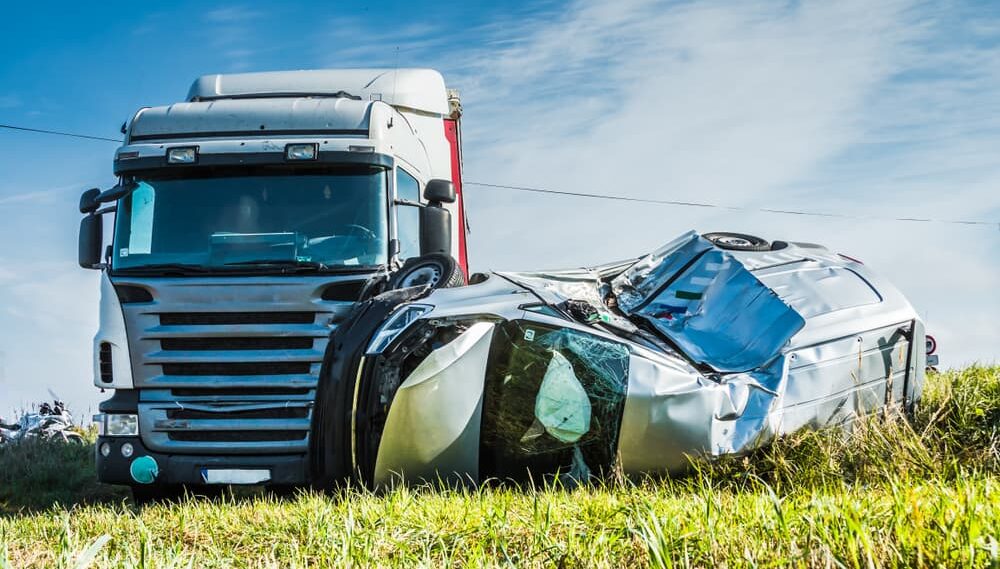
<point x="117" y="425"/>
<point x="395" y="326"/>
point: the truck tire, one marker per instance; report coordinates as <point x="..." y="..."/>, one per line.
<point x="737" y="241"/>
<point x="436" y="269"/>
<point x="156" y="494"/>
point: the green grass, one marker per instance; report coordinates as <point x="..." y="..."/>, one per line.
<point x="892" y="493"/>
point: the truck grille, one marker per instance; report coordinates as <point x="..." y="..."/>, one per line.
<point x="237" y="436"/>
<point x="196" y="318"/>
<point x="229" y="365"/>
<point x="105" y="363"/>
<point x="219" y="392"/>
<point x="237" y="368"/>
<point x="193" y="344"/>
<point x="280" y="413"/>
<point x="233" y="381"/>
<point x="229" y="382"/>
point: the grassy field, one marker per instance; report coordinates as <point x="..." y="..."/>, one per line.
<point x="890" y="494"/>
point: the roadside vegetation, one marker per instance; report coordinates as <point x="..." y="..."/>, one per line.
<point x="892" y="493"/>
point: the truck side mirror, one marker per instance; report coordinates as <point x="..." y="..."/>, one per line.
<point x="435" y="229"/>
<point x="117" y="192"/>
<point x="89" y="200"/>
<point x="91" y="236"/>
<point x="441" y="191"/>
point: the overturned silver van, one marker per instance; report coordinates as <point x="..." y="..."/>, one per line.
<point x="713" y="344"/>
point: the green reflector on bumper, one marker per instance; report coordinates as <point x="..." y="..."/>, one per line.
<point x="144" y="470"/>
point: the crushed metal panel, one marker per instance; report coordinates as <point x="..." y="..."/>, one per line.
<point x="433" y="423"/>
<point x="721" y="315"/>
<point x="578" y="292"/>
<point x="653" y="271"/>
<point x="673" y="412"/>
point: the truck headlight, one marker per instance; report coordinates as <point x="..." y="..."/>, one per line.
<point x="395" y="326"/>
<point x="301" y="151"/>
<point x="117" y="425"/>
<point x="182" y="155"/>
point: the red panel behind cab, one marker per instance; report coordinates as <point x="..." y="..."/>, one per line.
<point x="451" y="133"/>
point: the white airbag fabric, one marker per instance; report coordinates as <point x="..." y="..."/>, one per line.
<point x="562" y="404"/>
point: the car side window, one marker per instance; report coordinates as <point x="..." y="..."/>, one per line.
<point x="407" y="216"/>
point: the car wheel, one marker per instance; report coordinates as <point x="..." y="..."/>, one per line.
<point x="737" y="241"/>
<point x="331" y="439"/>
<point x="436" y="269"/>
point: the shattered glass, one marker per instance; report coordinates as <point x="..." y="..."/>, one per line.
<point x="720" y="314"/>
<point x="650" y="273"/>
<point x="709" y="304"/>
<point x="553" y="402"/>
<point x="579" y="293"/>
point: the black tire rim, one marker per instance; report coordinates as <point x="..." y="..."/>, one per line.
<point x="734" y="241"/>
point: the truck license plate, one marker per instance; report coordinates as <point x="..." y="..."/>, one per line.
<point x="235" y="475"/>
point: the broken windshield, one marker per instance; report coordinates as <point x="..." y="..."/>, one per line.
<point x="553" y="402"/>
<point x="254" y="220"/>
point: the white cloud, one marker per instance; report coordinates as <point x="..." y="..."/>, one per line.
<point x="882" y="109"/>
<point x="57" y="195"/>
<point x="233" y="14"/>
<point x="54" y="313"/>
<point x="874" y="109"/>
<point x="231" y="32"/>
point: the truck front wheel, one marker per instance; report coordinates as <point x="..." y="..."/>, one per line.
<point x="156" y="494"/>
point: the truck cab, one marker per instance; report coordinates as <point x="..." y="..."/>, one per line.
<point x="248" y="220"/>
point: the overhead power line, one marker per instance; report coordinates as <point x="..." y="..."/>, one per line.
<point x="59" y="133"/>
<point x="618" y="198"/>
<point x="729" y="207"/>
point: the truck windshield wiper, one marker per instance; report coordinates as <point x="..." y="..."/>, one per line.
<point x="286" y="263"/>
<point x="304" y="266"/>
<point x="165" y="267"/>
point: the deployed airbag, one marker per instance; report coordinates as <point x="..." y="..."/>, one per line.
<point x="562" y="405"/>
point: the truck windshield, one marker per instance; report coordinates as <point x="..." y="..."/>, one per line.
<point x="246" y="220"/>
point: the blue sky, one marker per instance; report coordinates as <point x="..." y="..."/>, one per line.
<point x="878" y="109"/>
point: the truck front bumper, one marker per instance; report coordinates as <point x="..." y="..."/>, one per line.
<point x="191" y="469"/>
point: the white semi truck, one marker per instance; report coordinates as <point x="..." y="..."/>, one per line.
<point x="248" y="220"/>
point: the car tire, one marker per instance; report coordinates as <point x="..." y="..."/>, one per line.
<point x="436" y="269"/>
<point x="737" y="241"/>
<point x="331" y="437"/>
<point x="330" y="433"/>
